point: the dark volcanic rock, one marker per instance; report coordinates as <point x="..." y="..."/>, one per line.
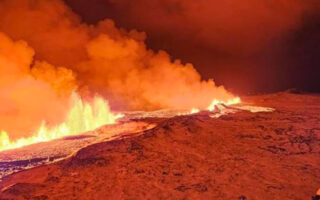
<point x="244" y="156"/>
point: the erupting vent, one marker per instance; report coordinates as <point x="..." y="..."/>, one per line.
<point x="81" y="118"/>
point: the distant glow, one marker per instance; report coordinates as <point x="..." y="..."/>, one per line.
<point x="213" y="104"/>
<point x="216" y="102"/>
<point x="194" y="111"/>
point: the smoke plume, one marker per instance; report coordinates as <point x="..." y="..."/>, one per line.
<point x="230" y="26"/>
<point x="46" y="53"/>
<point x="247" y="45"/>
<point x="26" y="96"/>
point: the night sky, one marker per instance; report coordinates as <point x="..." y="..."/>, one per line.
<point x="248" y="46"/>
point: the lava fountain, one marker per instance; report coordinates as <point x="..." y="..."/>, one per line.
<point x="82" y="117"/>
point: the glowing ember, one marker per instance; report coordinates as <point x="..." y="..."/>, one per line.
<point x="81" y="118"/>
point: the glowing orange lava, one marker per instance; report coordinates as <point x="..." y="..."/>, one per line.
<point x="215" y="102"/>
<point x="81" y="118"/>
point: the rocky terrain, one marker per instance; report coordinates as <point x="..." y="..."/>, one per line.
<point x="27" y="157"/>
<point x="241" y="155"/>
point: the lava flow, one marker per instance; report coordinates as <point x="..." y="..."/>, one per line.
<point x="82" y="117"/>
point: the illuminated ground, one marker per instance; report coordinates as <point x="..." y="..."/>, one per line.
<point x="241" y="155"/>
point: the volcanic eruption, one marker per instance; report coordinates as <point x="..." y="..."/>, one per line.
<point x="97" y="60"/>
<point x="84" y="98"/>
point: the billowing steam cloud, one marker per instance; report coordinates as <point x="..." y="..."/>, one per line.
<point x="55" y="54"/>
<point x="28" y="96"/>
<point x="248" y="45"/>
